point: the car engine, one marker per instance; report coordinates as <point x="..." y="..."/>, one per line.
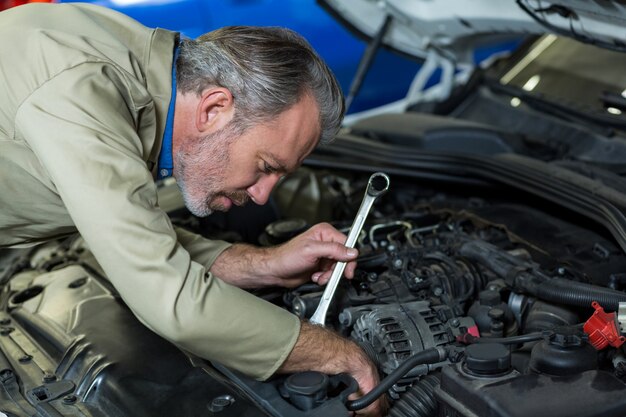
<point x="518" y="299"/>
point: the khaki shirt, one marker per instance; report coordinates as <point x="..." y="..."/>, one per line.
<point x="84" y="98"/>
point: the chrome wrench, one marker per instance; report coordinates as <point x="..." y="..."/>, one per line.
<point x="377" y="185"/>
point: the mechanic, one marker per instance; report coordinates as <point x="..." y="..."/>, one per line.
<point x="96" y="107"/>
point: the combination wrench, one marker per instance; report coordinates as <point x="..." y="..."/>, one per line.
<point x="377" y="185"/>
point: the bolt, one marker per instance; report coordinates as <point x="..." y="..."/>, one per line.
<point x="397" y="263"/>
<point x="221" y="402"/>
<point x="25" y="358"/>
<point x="497" y="329"/>
<point x="69" y="399"/>
<point x="437" y="291"/>
<point x="372" y="277"/>
<point x="455" y="322"/>
<point x="560" y="270"/>
<point x="49" y="378"/>
<point x="496" y="314"/>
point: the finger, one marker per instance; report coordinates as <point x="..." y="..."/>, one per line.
<point x="331" y="250"/>
<point x="350" y="268"/>
<point x="316" y="278"/>
<point x="324" y="277"/>
<point x="327" y="233"/>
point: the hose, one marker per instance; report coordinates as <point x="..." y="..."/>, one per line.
<point x="419" y="400"/>
<point x="580" y="294"/>
<point x="428" y="356"/>
<point x="512" y="340"/>
<point x="558" y="290"/>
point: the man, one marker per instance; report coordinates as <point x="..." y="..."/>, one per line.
<point x="96" y="107"/>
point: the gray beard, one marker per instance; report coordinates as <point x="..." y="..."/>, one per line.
<point x="199" y="170"/>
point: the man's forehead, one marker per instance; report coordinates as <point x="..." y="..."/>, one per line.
<point x="292" y="136"/>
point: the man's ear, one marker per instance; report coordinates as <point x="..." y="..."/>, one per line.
<point x="215" y="109"/>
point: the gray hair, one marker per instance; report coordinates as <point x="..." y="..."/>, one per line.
<point x="266" y="69"/>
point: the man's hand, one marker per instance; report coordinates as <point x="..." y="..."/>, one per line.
<point x="321" y="350"/>
<point x="309" y="256"/>
<point x="312" y="256"/>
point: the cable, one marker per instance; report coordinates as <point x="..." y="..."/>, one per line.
<point x="428" y="356"/>
<point x="513" y="340"/>
<point x="565" y="12"/>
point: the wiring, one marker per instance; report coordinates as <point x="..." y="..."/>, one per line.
<point x="537" y="16"/>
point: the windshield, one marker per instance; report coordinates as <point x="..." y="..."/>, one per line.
<point x="580" y="76"/>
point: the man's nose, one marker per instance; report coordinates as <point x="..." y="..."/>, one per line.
<point x="260" y="191"/>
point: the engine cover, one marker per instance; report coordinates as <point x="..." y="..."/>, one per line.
<point x="589" y="394"/>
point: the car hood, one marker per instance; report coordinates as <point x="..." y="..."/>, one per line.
<point x="458" y="27"/>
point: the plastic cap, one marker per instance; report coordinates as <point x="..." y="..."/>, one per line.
<point x="489" y="298"/>
<point x="306" y="383"/>
<point x="487" y="358"/>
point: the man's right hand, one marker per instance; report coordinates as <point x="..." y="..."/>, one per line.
<point x="319" y="349"/>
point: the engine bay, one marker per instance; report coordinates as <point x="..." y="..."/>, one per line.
<point x="497" y="281"/>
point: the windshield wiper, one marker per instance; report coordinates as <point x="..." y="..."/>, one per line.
<point x="613" y="100"/>
<point x="557" y="109"/>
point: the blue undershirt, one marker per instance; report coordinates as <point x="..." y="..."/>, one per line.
<point x="166" y="161"/>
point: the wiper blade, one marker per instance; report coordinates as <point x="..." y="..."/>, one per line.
<point x="557" y="109"/>
<point x="613" y="100"/>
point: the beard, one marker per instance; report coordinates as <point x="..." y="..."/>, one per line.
<point x="200" y="172"/>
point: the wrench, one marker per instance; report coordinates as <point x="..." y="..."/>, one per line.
<point x="377" y="185"/>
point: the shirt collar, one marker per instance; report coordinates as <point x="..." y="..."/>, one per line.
<point x="166" y="159"/>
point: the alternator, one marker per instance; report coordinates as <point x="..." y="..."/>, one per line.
<point x="392" y="333"/>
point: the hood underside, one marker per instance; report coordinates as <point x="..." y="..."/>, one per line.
<point x="457" y="27"/>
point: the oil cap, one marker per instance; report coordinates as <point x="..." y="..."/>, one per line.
<point x="487" y="359"/>
<point x="306" y="389"/>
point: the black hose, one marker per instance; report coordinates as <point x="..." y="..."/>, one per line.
<point x="580" y="294"/>
<point x="557" y="290"/>
<point x="419" y="400"/>
<point x="432" y="355"/>
<point x="512" y="340"/>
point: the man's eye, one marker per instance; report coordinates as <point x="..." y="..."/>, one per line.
<point x="267" y="168"/>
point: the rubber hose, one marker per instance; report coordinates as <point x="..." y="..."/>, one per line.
<point x="419" y="400"/>
<point x="563" y="291"/>
<point x="512" y="340"/>
<point x="432" y="355"/>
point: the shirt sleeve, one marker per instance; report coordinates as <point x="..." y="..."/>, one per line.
<point x="82" y="125"/>
<point x="202" y="250"/>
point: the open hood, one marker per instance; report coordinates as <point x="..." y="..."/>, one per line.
<point x="456" y="27"/>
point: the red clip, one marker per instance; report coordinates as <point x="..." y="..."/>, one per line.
<point x="603" y="329"/>
<point x="470" y="336"/>
<point x="474" y="331"/>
